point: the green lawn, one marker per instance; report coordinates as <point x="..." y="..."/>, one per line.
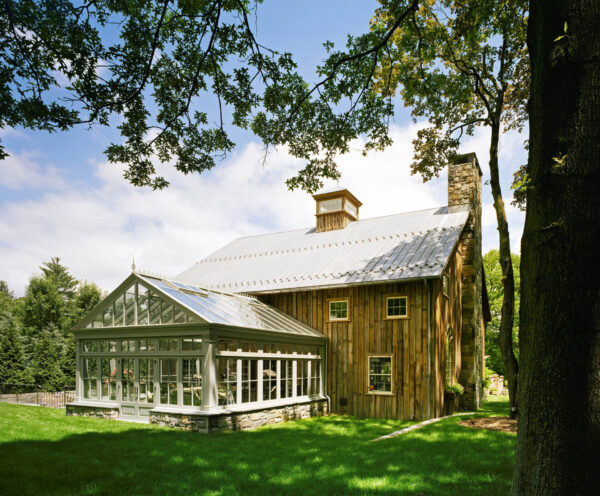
<point x="44" y="452"/>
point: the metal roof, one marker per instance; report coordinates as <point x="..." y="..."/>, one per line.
<point x="413" y="245"/>
<point x="229" y="309"/>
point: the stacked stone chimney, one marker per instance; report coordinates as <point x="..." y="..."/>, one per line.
<point x="464" y="188"/>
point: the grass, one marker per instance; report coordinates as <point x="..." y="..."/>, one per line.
<point x="44" y="452"/>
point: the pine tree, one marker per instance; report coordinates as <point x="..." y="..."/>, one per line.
<point x="68" y="364"/>
<point x="12" y="359"/>
<point x="46" y="363"/>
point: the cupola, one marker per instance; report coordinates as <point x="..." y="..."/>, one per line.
<point x="335" y="209"/>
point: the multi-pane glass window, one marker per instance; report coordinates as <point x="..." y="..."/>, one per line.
<point x="269" y="379"/>
<point x="286" y="382"/>
<point x="330" y="205"/>
<point x="89" y="346"/>
<point x="147" y="345"/>
<point x="154" y="308"/>
<point x="168" y="381"/>
<point x="227" y="380"/>
<point x="128" y="379"/>
<point x="192" y="381"/>
<point x="146" y="380"/>
<point x="128" y="345"/>
<point x="140" y="306"/>
<point x="338" y="310"/>
<point x="168" y="344"/>
<point x="108" y="346"/>
<point x="130" y="306"/>
<point x="302" y="378"/>
<point x="191" y="344"/>
<point x="169" y="371"/>
<point x="396" y="306"/>
<point x="249" y="381"/>
<point x="119" y="311"/>
<point x="108" y="378"/>
<point x="380" y="374"/>
<point x="315" y="377"/>
<point x="90" y="378"/>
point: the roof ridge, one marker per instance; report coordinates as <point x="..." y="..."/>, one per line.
<point x="357" y="221"/>
<point x="379" y="237"/>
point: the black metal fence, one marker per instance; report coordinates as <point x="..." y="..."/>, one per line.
<point x="33" y="394"/>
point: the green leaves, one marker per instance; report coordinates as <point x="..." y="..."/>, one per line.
<point x="458" y="64"/>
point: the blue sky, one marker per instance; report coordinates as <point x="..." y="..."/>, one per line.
<point x="60" y="197"/>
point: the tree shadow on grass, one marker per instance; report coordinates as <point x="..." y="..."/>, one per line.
<point x="332" y="455"/>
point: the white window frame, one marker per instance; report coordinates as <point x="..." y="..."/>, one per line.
<point x="337" y="319"/>
<point x="391" y="374"/>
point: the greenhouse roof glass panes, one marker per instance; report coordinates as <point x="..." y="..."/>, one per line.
<point x="153" y="301"/>
<point x="229" y="309"/>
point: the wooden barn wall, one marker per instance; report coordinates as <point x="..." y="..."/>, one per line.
<point x="447" y="311"/>
<point x="369" y="332"/>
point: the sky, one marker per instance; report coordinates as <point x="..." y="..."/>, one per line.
<point x="60" y="197"/>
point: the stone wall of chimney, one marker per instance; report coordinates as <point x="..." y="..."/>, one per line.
<point x="464" y="188"/>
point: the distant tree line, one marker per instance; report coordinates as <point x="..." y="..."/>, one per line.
<point x="493" y="279"/>
<point x="36" y="345"/>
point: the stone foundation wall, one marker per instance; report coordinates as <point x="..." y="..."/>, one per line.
<point x="92" y="411"/>
<point x="236" y="421"/>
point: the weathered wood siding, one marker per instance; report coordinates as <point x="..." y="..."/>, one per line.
<point x="369" y="332"/>
<point x="447" y="313"/>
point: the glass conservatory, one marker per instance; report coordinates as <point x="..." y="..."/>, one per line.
<point x="176" y="354"/>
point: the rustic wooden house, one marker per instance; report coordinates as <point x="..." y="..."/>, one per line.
<point x="367" y="317"/>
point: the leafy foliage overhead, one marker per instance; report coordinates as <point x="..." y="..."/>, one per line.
<point x="459" y="64"/>
<point x="178" y="75"/>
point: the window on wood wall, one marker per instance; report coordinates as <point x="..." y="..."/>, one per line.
<point x="339" y="310"/>
<point x="380" y="374"/>
<point x="450" y="356"/>
<point x="396" y="307"/>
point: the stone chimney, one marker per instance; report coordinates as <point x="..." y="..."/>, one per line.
<point x="464" y="188"/>
<point x="335" y="209"/>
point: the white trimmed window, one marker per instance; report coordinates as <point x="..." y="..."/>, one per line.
<point x="396" y="307"/>
<point x="338" y="310"/>
<point x="380" y="374"/>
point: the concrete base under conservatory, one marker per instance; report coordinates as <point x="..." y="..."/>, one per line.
<point x="219" y="420"/>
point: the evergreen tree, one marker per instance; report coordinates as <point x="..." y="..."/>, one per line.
<point x="42" y="306"/>
<point x="46" y="363"/>
<point x="68" y="364"/>
<point x="87" y="296"/>
<point x="12" y="359"/>
<point x="57" y="273"/>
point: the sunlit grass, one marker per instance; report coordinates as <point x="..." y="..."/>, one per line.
<point x="44" y="452"/>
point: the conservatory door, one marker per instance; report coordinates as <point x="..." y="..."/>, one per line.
<point x="137" y="387"/>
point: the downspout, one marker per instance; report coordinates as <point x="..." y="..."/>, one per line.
<point x="326" y="368"/>
<point x="428" y="348"/>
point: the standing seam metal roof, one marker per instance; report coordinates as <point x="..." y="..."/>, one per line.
<point x="413" y="245"/>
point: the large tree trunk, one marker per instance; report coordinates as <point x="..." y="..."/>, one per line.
<point x="505" y="337"/>
<point x="558" y="443"/>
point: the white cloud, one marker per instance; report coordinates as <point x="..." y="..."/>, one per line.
<point x="19" y="171"/>
<point x="98" y="230"/>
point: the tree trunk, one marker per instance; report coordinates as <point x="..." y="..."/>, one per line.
<point x="558" y="443"/>
<point x="505" y="337"/>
